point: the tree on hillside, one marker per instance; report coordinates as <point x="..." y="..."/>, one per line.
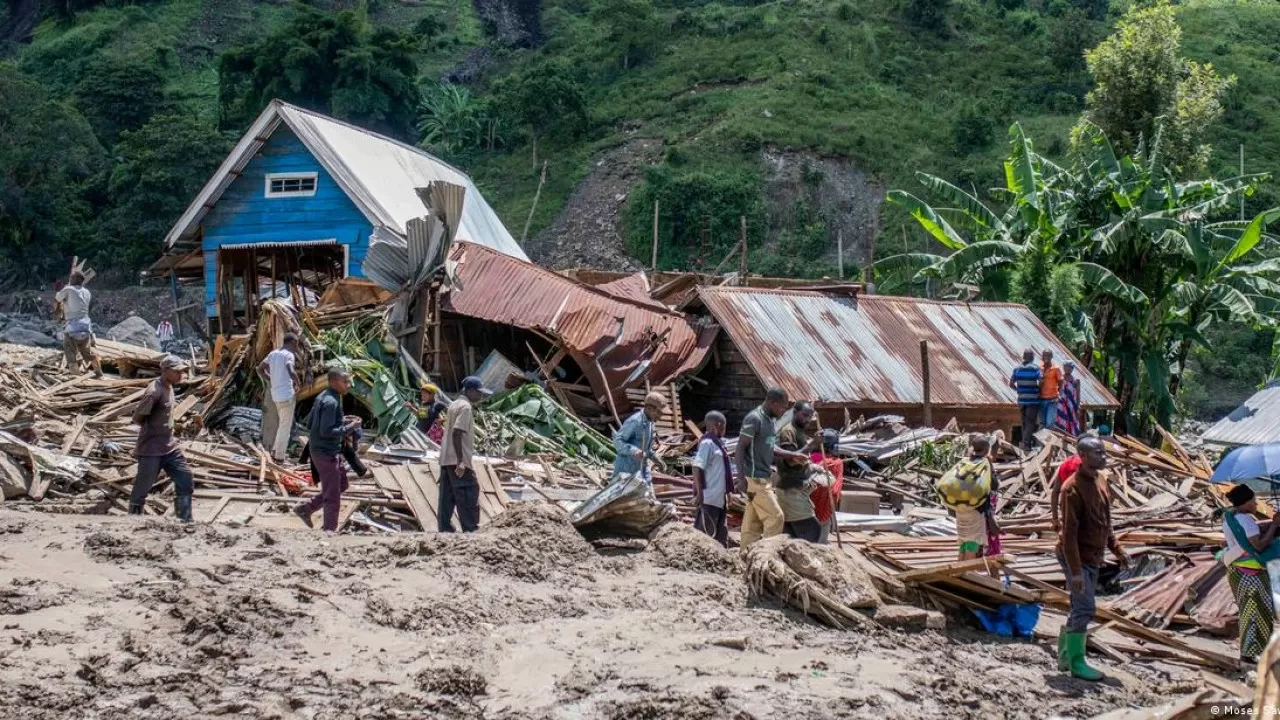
<point x="927" y="14"/>
<point x="159" y="168"/>
<point x="1153" y="265"/>
<point x="700" y="214"/>
<point x="632" y="27"/>
<point x="452" y="120"/>
<point x="545" y="99"/>
<point x="334" y="63"/>
<point x="48" y="160"/>
<point x="118" y="94"/>
<point x="1141" y="81"/>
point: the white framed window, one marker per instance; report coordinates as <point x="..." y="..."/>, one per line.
<point x="301" y="184"/>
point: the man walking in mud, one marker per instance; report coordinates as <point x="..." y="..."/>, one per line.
<point x="156" y="449"/>
<point x="1086" y="535"/>
<point x="756" y="452"/>
<point x="459" y="487"/>
<point x="329" y="428"/>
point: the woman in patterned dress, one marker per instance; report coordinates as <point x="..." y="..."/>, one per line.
<point x="1248" y="549"/>
<point x="1068" y="418"/>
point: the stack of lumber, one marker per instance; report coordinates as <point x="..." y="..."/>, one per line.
<point x="974" y="584"/>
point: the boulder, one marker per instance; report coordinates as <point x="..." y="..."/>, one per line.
<point x="18" y="335"/>
<point x="135" y="331"/>
<point x="910" y="618"/>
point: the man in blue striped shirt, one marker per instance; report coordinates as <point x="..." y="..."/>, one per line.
<point x="1026" y="380"/>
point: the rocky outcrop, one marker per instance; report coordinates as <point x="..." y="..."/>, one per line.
<point x="19" y="335"/>
<point x="588" y="230"/>
<point x="832" y="188"/>
<point x="511" y="23"/>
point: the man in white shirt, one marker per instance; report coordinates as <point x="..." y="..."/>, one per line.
<point x="279" y="373"/>
<point x="77" y="336"/>
<point x="711" y="469"/>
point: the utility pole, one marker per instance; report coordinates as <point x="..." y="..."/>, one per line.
<point x="541" y="181"/>
<point x="653" y="263"/>
<point x="742" y="267"/>
<point x="840" y="253"/>
<point x="924" y="377"/>
<point x="1242" y="175"/>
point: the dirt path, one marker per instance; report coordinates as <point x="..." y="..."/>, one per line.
<point x="118" y="617"/>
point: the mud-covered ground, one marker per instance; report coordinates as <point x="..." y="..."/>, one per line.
<point x="105" y="617"/>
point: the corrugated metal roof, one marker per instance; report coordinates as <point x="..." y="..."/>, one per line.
<point x="634" y="287"/>
<point x="866" y="350"/>
<point x="1256" y="422"/>
<point x="379" y="174"/>
<point x="502" y="289"/>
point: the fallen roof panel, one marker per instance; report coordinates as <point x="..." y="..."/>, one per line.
<point x="837" y="349"/>
<point x="499" y="288"/>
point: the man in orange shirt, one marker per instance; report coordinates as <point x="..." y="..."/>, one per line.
<point x="1050" y="386"/>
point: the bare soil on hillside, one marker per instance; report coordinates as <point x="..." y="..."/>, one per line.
<point x="109" y="617"/>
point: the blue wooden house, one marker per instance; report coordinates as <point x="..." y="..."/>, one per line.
<point x="294" y="205"/>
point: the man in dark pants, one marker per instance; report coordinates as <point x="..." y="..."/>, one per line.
<point x="156" y="449"/>
<point x="799" y="519"/>
<point x="1025" y="380"/>
<point x="458" y="485"/>
<point x="1086" y="535"/>
<point x="329" y="428"/>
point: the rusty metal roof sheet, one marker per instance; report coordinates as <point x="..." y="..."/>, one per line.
<point x="633" y="287"/>
<point x="866" y="350"/>
<point x="499" y="288"/>
<point x="1255" y="422"/>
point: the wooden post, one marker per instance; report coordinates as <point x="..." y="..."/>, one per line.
<point x="437" y="367"/>
<point x="742" y="267"/>
<point x="537" y="194"/>
<point x="924" y="376"/>
<point x="653" y="262"/>
<point x="840" y="253"/>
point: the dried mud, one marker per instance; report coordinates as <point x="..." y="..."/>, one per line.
<point x="119" y="618"/>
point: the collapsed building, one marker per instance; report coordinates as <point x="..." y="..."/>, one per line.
<point x="304" y="200"/>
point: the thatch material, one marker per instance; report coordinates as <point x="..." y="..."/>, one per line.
<point x="819" y="580"/>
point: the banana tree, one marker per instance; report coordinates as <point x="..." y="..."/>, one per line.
<point x="1157" y="269"/>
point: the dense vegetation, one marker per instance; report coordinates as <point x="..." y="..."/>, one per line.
<point x="122" y="108"/>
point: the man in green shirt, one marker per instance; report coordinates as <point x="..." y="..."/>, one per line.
<point x="756" y="452"/>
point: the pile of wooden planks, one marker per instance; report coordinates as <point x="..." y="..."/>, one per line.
<point x="419" y="485"/>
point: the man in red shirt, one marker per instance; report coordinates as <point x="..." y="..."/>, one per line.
<point x="1065" y="471"/>
<point x="824" y="499"/>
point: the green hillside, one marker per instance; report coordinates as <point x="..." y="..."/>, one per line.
<point x="717" y="82"/>
<point x="116" y="111"/>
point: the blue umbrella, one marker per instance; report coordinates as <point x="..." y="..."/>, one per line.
<point x="1249" y="463"/>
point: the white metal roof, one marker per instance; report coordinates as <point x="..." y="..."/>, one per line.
<point x="378" y="174"/>
<point x="1256" y="422"/>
